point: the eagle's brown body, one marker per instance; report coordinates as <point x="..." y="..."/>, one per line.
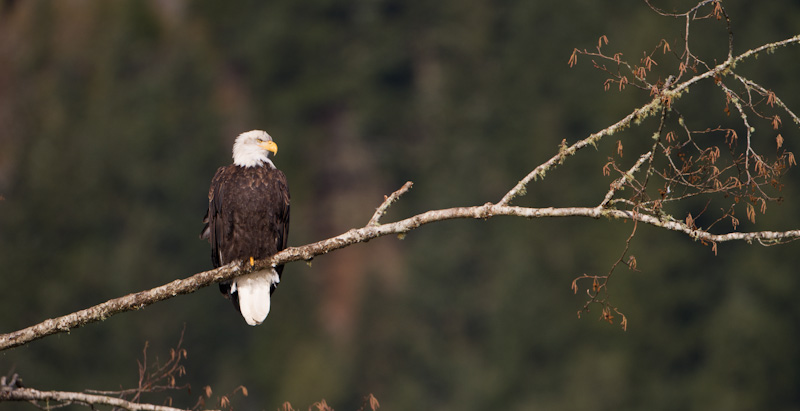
<point x="248" y="214"/>
<point x="248" y="217"/>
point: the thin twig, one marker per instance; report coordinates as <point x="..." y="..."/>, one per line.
<point x="627" y="176"/>
<point x="387" y="202"/>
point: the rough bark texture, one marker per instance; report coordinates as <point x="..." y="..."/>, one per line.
<point x="307" y="252"/>
<point x="64" y="398"/>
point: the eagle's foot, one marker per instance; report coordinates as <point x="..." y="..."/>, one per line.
<point x="252" y="263"/>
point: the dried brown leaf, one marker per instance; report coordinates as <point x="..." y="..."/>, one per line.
<point x="718" y="10"/>
<point x="603" y="40"/>
<point x="607" y="315"/>
<point x="322" y="405"/>
<point x="771" y="98"/>
<point x="373" y="402"/>
<point x="573" y="59"/>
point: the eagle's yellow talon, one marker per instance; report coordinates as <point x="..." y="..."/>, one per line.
<point x="252" y="263"/>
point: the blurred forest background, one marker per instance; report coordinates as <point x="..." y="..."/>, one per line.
<point x="115" y="115"/>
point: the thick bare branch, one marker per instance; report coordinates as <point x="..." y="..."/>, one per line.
<point x="129" y="302"/>
<point x="65" y="397"/>
<point x="359" y="235"/>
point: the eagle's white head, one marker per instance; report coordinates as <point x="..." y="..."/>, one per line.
<point x="251" y="149"/>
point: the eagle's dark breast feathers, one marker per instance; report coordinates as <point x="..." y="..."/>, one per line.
<point x="248" y="214"/>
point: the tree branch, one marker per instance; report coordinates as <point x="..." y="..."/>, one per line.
<point x="618" y="183"/>
<point x="387" y="202"/>
<point x="567" y="151"/>
<point x="307" y="252"/>
<point x="66" y="398"/>
<point x="665" y="95"/>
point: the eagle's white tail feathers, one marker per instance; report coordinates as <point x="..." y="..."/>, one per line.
<point x="254" y="294"/>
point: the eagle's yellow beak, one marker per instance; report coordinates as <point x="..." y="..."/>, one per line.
<point x="270" y="146"/>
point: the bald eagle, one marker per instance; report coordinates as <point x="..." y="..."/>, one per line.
<point x="247" y="219"/>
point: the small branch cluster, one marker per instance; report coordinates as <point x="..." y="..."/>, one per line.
<point x="153" y="378"/>
<point x="719" y="161"/>
<point x="156" y="377"/>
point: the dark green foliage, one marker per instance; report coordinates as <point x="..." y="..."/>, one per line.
<point x="115" y="116"/>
